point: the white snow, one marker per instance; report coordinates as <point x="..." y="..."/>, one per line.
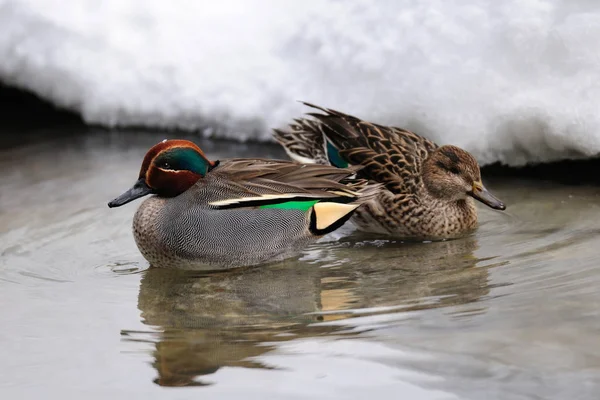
<point x="513" y="80"/>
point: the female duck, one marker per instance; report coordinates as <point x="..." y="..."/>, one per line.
<point x="429" y="190"/>
<point x="238" y="212"/>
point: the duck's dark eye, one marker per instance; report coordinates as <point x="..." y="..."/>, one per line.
<point x="165" y="165"/>
<point x="452" y="170"/>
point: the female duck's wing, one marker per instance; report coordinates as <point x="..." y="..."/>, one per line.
<point x="389" y="155"/>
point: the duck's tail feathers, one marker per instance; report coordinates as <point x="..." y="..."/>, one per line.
<point x="327" y="216"/>
<point x="321" y="138"/>
<point x="304" y="142"/>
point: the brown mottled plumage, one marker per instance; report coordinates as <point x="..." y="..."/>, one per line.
<point x="430" y="189"/>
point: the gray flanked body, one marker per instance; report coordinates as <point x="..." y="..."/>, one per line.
<point x="179" y="233"/>
<point x="193" y="231"/>
<point x="211" y="215"/>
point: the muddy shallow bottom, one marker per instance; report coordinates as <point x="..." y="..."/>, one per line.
<point x="511" y="312"/>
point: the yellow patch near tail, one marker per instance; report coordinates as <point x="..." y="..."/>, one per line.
<point x="327" y="214"/>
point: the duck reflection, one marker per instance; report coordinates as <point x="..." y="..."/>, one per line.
<point x="227" y="319"/>
<point x="416" y="275"/>
<point x="210" y="321"/>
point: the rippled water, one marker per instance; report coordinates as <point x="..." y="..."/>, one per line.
<point x="511" y="312"/>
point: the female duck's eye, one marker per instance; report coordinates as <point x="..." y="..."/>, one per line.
<point x="452" y="170"/>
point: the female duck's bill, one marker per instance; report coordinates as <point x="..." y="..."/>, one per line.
<point x="480" y="193"/>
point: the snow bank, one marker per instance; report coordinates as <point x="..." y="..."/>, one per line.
<point x="513" y="81"/>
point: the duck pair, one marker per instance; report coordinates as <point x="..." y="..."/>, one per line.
<point x="238" y="212"/>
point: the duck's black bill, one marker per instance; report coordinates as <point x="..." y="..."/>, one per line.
<point x="481" y="193"/>
<point x="139" y="189"/>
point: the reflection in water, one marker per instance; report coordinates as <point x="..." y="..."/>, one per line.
<point x="220" y="320"/>
<point x="208" y="322"/>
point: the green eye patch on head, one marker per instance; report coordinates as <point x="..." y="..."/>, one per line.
<point x="182" y="159"/>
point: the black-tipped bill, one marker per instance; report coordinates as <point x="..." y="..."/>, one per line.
<point x="481" y="193"/>
<point x="139" y="189"/>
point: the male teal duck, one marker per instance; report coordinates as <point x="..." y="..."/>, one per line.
<point x="208" y="215"/>
<point x="428" y="189"/>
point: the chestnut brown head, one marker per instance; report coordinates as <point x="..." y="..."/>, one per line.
<point x="451" y="173"/>
<point x="169" y="168"/>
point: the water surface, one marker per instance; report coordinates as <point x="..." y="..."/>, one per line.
<point x="511" y="312"/>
